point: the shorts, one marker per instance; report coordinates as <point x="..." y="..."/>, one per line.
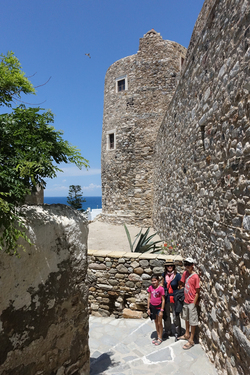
<point x="190" y="313"/>
<point x="154" y="311"/>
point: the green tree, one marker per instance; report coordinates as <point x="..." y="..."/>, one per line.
<point x="75" y="198"/>
<point x="30" y="150"/>
<point x="12" y="80"/>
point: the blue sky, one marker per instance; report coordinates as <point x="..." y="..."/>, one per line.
<point x="51" y="37"/>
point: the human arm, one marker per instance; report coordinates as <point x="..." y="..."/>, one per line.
<point x="178" y="279"/>
<point x="182" y="281"/>
<point x="162" y="302"/>
<point x="196" y="295"/>
<point x="148" y="304"/>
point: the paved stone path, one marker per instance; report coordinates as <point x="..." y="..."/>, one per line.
<point x="124" y="347"/>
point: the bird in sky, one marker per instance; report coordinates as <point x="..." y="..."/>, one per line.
<point x="87" y="54"/>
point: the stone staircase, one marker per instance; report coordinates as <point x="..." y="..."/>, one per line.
<point x="124" y="347"/>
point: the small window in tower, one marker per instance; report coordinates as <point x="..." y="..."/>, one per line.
<point x="121" y="84"/>
<point x="111" y="141"/>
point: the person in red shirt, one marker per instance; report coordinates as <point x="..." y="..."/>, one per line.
<point x="156" y="302"/>
<point x="191" y="282"/>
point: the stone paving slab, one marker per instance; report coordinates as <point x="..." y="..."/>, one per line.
<point x="124" y="347"/>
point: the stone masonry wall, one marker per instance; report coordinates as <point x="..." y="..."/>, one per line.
<point x="199" y="25"/>
<point x="202" y="178"/>
<point x="118" y="281"/>
<point x="135" y="115"/>
<point x="43" y="299"/>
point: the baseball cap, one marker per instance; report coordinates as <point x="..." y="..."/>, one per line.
<point x="189" y="260"/>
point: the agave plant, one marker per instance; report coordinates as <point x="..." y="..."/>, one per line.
<point x="143" y="243"/>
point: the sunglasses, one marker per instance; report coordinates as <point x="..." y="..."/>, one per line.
<point x="188" y="264"/>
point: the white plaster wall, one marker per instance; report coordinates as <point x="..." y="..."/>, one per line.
<point x="38" y="286"/>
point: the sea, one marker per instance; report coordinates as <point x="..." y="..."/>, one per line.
<point x="91" y="202"/>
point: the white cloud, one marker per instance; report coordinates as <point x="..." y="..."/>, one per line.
<point x="91" y="187"/>
<point x="74" y="171"/>
<point x="57" y="187"/>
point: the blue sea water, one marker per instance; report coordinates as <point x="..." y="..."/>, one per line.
<point x="92" y="202"/>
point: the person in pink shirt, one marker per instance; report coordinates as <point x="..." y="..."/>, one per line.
<point x="191" y="282"/>
<point x="156" y="302"/>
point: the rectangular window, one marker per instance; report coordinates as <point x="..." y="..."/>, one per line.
<point x="111" y="140"/>
<point x="121" y="84"/>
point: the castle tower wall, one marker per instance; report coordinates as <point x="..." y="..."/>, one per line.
<point x="202" y="178"/>
<point x="138" y="89"/>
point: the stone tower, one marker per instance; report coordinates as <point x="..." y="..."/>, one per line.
<point x="138" y="90"/>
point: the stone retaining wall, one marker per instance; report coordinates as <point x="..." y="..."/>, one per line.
<point x="118" y="281"/>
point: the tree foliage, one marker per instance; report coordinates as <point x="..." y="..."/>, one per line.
<point x="12" y="80"/>
<point x="75" y="198"/>
<point x="30" y="150"/>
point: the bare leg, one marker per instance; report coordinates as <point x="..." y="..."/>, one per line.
<point x="156" y="326"/>
<point x="191" y="340"/>
<point x="160" y="327"/>
<point x="187" y="335"/>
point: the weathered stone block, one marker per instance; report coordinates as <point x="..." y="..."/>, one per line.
<point x="104" y="286"/>
<point x="138" y="270"/>
<point x="97" y="266"/>
<point x="143" y="262"/>
<point x="131" y="300"/>
<point x="156" y="263"/>
<point x="135" y="264"/>
<point x="246" y="222"/>
<point x="113" y="282"/>
<point x="121" y="260"/>
<point x="122" y="269"/>
<point x="145" y="276"/>
<point x="130" y="284"/>
<point x="134" y="277"/>
<point x="120" y="276"/>
<point x="130" y="314"/>
<point x="158" y="270"/>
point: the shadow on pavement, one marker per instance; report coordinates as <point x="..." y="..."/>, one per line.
<point x="102" y="363"/>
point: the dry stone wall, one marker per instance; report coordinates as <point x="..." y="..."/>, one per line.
<point x="118" y="281"/>
<point x="134" y="116"/>
<point x="202" y="178"/>
<point x="43" y="299"/>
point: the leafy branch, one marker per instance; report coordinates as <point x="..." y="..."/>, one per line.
<point x="30" y="151"/>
